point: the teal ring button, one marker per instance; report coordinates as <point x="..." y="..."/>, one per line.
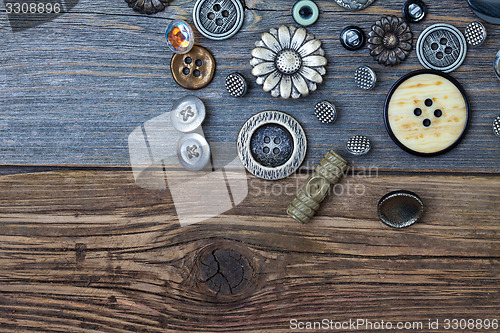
<point x="305" y="12"/>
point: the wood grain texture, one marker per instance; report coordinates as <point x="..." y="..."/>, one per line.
<point x="85" y="251"/>
<point x="73" y="89"/>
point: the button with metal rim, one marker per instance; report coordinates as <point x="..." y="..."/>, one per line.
<point x="193" y="70"/>
<point x="193" y="151"/>
<point x="496" y="126"/>
<point x="305" y="12"/>
<point x="475" y="33"/>
<point x="236" y="84"/>
<point x="441" y="47"/>
<point x="365" y="77"/>
<point x="218" y="19"/>
<point x="352" y="38"/>
<point x="414" y="10"/>
<point x="272" y="145"/>
<point x="326" y="112"/>
<point x="358" y="145"/>
<point x="188" y="113"/>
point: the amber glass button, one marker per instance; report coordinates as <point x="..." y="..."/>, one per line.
<point x="193" y="70"/>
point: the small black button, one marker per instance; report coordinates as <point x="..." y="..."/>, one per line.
<point x="414" y="10"/>
<point x="352" y="38"/>
<point x="271" y="145"/>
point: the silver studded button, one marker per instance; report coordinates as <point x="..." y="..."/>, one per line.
<point x="218" y="19"/>
<point x="354" y="4"/>
<point x="441" y="47"/>
<point x="188" y="113"/>
<point x="475" y="33"/>
<point x="193" y="151"/>
<point x="496" y="126"/>
<point x="236" y="85"/>
<point x="496" y="65"/>
<point x="358" y="145"/>
<point x="365" y="77"/>
<point x="326" y="112"/>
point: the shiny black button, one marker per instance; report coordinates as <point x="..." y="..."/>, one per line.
<point x="352" y="38"/>
<point x="271" y="145"/>
<point x="414" y="10"/>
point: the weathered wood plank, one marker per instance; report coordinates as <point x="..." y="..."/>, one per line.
<point x="73" y="89"/>
<point x="89" y="250"/>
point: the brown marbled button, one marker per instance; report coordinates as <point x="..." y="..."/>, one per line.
<point x="193" y="70"/>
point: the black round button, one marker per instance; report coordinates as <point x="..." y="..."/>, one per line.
<point x="414" y="10"/>
<point x="271" y="145"/>
<point x="352" y="38"/>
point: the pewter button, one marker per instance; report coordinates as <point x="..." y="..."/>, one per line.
<point x="400" y="209"/>
<point x="475" y="33"/>
<point x="218" y="19"/>
<point x="414" y="10"/>
<point x="271" y="145"/>
<point x="365" y="77"/>
<point x="193" y="151"/>
<point x="236" y="85"/>
<point x="352" y="38"/>
<point x="358" y="145"/>
<point x="496" y="126"/>
<point x="188" y="113"/>
<point x="326" y="112"/>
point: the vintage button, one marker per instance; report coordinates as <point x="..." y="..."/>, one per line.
<point x="365" y="77"/>
<point x="193" y="70"/>
<point x="441" y="47"/>
<point x="305" y="12"/>
<point x="475" y="33"/>
<point x="218" y="20"/>
<point x="487" y="10"/>
<point x="352" y="38"/>
<point x="193" y="151"/>
<point x="354" y="4"/>
<point x="326" y="112"/>
<point x="496" y="65"/>
<point x="179" y="36"/>
<point x="400" y="209"/>
<point x="414" y="10"/>
<point x="390" y="40"/>
<point x="496" y="126"/>
<point x="147" y="6"/>
<point x="188" y="113"/>
<point x="272" y="145"/>
<point x="358" y="145"/>
<point x="236" y="85"/>
<point x="434" y="119"/>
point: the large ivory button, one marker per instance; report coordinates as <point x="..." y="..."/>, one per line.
<point x="427" y="113"/>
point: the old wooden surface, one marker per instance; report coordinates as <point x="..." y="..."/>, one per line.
<point x="83" y="249"/>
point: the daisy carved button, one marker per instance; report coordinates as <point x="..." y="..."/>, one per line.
<point x="427" y="113"/>
<point x="288" y="62"/>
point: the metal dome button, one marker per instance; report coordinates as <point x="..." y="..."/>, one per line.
<point x="352" y="38"/>
<point x="218" y="19"/>
<point x="188" y="113"/>
<point x="193" y="151"/>
<point x="193" y="70"/>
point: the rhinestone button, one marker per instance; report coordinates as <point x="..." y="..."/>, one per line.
<point x="358" y="145"/>
<point x="218" y="19"/>
<point x="188" y="113"/>
<point x="365" y="77"/>
<point x="475" y="33"/>
<point x="352" y="38"/>
<point x="441" y="47"/>
<point x="193" y="70"/>
<point x="236" y="85"/>
<point x="496" y="126"/>
<point x="179" y="36"/>
<point x="326" y="112"/>
<point x="193" y="151"/>
<point x="414" y="10"/>
<point x="305" y="12"/>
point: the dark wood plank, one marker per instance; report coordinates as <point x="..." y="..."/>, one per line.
<point x="73" y="89"/>
<point x="89" y="250"/>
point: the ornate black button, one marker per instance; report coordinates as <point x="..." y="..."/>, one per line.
<point x="390" y="40"/>
<point x="271" y="145"/>
<point x="400" y="209"/>
<point x="352" y="38"/>
<point x="414" y="10"/>
<point x="218" y="19"/>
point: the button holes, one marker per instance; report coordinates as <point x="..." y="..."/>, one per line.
<point x="277" y="141"/>
<point x="219" y="22"/>
<point x="438" y="113"/>
<point x="211" y="16"/>
<point x="198" y="62"/>
<point x="225" y="13"/>
<point x="427" y="123"/>
<point x="188" y="60"/>
<point x="217" y="7"/>
<point x="196" y="73"/>
<point x="186" y="71"/>
<point x="443" y="41"/>
<point x="276" y="151"/>
<point x="448" y="50"/>
<point x="439" y="55"/>
<point x="428" y="102"/>
<point x="267" y="139"/>
<point x="434" y="46"/>
<point x="417" y="112"/>
<point x="266" y="150"/>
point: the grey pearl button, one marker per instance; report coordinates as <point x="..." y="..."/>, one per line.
<point x="188" y="113"/>
<point x="193" y="151"/>
<point x="358" y="145"/>
<point x="365" y="77"/>
<point x="218" y="19"/>
<point x="475" y="33"/>
<point x="271" y="145"/>
<point x="441" y="47"/>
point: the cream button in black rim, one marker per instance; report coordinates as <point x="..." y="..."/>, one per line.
<point x="254" y="126"/>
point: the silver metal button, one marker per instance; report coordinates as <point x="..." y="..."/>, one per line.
<point x="496" y="126"/>
<point x="326" y="112"/>
<point x="193" y="151"/>
<point x="358" y="145"/>
<point x="188" y="113"/>
<point x="475" y="33"/>
<point x="400" y="209"/>
<point x="218" y="19"/>
<point x="496" y="65"/>
<point x="352" y="38"/>
<point x="354" y="4"/>
<point x="414" y="10"/>
<point x="441" y="47"/>
<point x="365" y="77"/>
<point x="236" y="85"/>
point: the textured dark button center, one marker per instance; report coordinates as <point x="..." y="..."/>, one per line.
<point x="271" y="145"/>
